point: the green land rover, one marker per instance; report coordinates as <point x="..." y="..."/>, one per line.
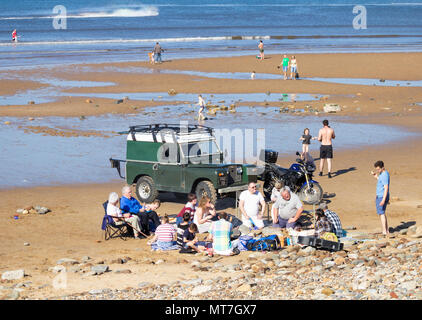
<point x="180" y="158"/>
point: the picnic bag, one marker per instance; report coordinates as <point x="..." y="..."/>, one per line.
<point x="243" y="242"/>
<point x="268" y="243"/>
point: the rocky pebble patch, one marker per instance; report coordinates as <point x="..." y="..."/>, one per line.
<point x="375" y="269"/>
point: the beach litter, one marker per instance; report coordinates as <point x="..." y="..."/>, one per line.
<point x="32" y="210"/>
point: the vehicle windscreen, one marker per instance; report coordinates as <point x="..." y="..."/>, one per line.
<point x="201" y="151"/>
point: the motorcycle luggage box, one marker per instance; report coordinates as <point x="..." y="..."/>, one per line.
<point x="329" y="245"/>
<point x="269" y="155"/>
<point x="307" y="240"/>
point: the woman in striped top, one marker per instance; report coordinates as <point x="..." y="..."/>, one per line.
<point x="164" y="236"/>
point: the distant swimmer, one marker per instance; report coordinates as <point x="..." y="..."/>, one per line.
<point x="14" y="36"/>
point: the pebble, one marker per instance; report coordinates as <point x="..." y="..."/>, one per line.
<point x="374" y="270"/>
<point x="99" y="269"/>
<point x="13" y="275"/>
<point x="67" y="261"/>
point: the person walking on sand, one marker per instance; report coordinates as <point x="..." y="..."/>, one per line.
<point x="325" y="135"/>
<point x="293" y="68"/>
<point x="201" y="103"/>
<point x="261" y="50"/>
<point x="382" y="193"/>
<point x="253" y="74"/>
<point x="157" y="53"/>
<point x="285" y="64"/>
<point x="14" y="36"/>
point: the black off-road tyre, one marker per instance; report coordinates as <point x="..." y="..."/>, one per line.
<point x="206" y="188"/>
<point x="146" y="190"/>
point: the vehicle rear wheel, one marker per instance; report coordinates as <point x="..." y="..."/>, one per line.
<point x="311" y="195"/>
<point x="206" y="188"/>
<point x="146" y="190"/>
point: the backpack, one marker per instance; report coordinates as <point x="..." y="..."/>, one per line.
<point x="243" y="243"/>
<point x="268" y="243"/>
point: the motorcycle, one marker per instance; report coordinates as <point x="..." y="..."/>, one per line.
<point x="298" y="177"/>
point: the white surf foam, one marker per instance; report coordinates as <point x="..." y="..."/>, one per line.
<point x="146" y="11"/>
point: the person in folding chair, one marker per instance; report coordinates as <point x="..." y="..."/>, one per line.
<point x="114" y="211"/>
<point x="129" y="204"/>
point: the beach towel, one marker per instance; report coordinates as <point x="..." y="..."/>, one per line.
<point x="164" y="246"/>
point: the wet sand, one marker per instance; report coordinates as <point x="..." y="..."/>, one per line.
<point x="72" y="229"/>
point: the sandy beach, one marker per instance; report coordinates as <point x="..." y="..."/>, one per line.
<point x="72" y="229"/>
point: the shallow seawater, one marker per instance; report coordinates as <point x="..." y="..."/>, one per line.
<point x="370" y="82"/>
<point x="37" y="159"/>
<point x="212" y="98"/>
<point x="48" y="94"/>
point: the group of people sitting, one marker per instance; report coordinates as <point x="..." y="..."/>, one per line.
<point x="201" y="217"/>
<point x="192" y="219"/>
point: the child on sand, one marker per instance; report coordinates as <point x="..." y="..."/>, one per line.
<point x="306" y="141"/>
<point x="190" y="207"/>
<point x="164" y="236"/>
<point x="253" y="75"/>
<point x="182" y="227"/>
<point x="190" y="239"/>
<point x="151" y="57"/>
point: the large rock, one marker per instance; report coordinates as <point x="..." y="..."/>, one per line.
<point x="244" y="230"/>
<point x="99" y="269"/>
<point x="13" y="275"/>
<point x="267" y="231"/>
<point x="331" y="107"/>
<point x="67" y="261"/>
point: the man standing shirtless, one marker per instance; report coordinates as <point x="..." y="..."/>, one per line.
<point x="325" y="135"/>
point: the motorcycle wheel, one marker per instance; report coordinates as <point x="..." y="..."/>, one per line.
<point x="311" y="195"/>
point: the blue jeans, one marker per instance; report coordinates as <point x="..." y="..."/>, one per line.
<point x="157" y="57"/>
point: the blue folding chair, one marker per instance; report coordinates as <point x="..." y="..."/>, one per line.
<point x="112" y="230"/>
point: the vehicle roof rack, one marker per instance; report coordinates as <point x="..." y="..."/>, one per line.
<point x="178" y="129"/>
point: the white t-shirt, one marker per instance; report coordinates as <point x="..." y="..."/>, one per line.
<point x="288" y="209"/>
<point x="251" y="202"/>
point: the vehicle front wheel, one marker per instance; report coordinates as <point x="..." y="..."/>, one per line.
<point x="146" y="190"/>
<point x="311" y="195"/>
<point x="206" y="188"/>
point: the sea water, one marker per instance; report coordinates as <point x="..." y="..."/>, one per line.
<point x="125" y="30"/>
<point x="31" y="159"/>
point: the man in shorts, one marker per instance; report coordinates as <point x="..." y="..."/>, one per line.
<point x="325" y="135"/>
<point x="249" y="201"/>
<point x="382" y="193"/>
<point x="289" y="209"/>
